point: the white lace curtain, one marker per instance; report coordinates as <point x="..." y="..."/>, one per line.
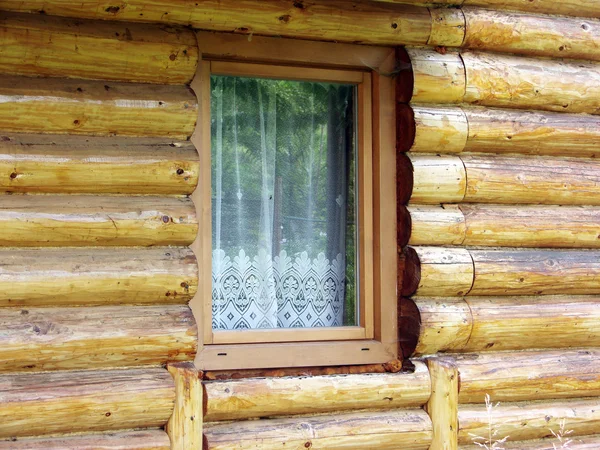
<point x="282" y="166"/>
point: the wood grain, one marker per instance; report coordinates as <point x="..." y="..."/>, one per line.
<point x="437" y="225"/>
<point x="38" y="339"/>
<point x="265" y="397"/>
<point x="438" y="179"/>
<point x="74" y="221"/>
<point x="185" y="425"/>
<point x="108" y="165"/>
<point x="442" y="407"/>
<point x="409" y="429"/>
<point x="438" y="77"/>
<point x="70" y="277"/>
<point x="88" y="401"/>
<point x="40" y="45"/>
<point x="439" y="130"/>
<point x="64" y="106"/>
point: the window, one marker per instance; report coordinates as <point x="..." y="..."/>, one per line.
<point x="293" y="272"/>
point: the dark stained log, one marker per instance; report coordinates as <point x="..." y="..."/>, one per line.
<point x="401" y="428"/>
<point x="404" y="177"/>
<point x="126" y="440"/>
<point x="100" y="108"/>
<point x="409" y="326"/>
<point x="405" y="127"/>
<point x="331" y="20"/>
<point x="40" y="45"/>
<point x="88" y="401"/>
<point x="99" y="276"/>
<point x="44" y="163"/>
<point x="39" y="339"/>
<point x="405" y="79"/>
<point x="75" y="221"/>
<point x="535" y="272"/>
<point x="411" y="275"/>
<point x="404" y="225"/>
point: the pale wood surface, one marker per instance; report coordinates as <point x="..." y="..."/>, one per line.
<point x="54" y="277"/>
<point x="437" y="225"/>
<point x="264" y="397"/>
<point x="532" y="132"/>
<point x="408" y="429"/>
<point x="535" y="272"/>
<point x="447" y="27"/>
<point x="79" y="164"/>
<point x="63" y="221"/>
<point x="185" y="425"/>
<point x="442" y="407"/>
<point x="69" y="402"/>
<point x="86" y="338"/>
<point x="529" y="34"/>
<point x="40" y="45"/>
<point x="531" y="420"/>
<point x="444" y="271"/>
<point x="65" y="106"/>
<point x="439" y="77"/>
<point x="127" y="440"/>
<point x="443" y="130"/>
<point x="529" y="375"/>
<point x="438" y="179"/>
<point x="332" y="20"/>
<point x="530" y="83"/>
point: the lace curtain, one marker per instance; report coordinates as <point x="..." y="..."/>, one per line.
<point x="282" y="203"/>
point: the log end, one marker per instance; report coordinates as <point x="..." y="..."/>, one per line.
<point x="404" y="228"/>
<point x="404" y="179"/>
<point x="409" y="327"/>
<point x="411" y="276"/>
<point x="405" y="80"/>
<point x="406" y="127"/>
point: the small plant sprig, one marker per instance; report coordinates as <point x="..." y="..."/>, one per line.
<point x="561" y="435"/>
<point x="491" y="442"/>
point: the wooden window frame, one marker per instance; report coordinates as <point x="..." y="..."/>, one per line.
<point x="374" y="340"/>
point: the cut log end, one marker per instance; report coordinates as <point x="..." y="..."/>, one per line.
<point x="405" y="127"/>
<point x="404" y="179"/>
<point x="404" y="226"/>
<point x="404" y="77"/>
<point x="409" y="324"/>
<point x="412" y="272"/>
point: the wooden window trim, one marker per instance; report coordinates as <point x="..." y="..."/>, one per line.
<point x="375" y="339"/>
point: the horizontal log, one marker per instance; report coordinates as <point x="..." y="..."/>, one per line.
<point x="531" y="420"/>
<point x="40" y="45"/>
<point x="530" y="375"/>
<point x="447" y="272"/>
<point x="577" y="443"/>
<point x="69" y="277"/>
<point x="535" y="272"/>
<point x="64" y="106"/>
<point x="447" y="27"/>
<point x="437" y="271"/>
<point x="79" y="164"/>
<point x="479" y="324"/>
<point x="505" y="81"/>
<point x="87" y="338"/>
<point x="264" y="397"/>
<point x="437" y="179"/>
<point x="406" y="429"/>
<point x="70" y="402"/>
<point x="529" y="34"/>
<point x="128" y="440"/>
<point x="506" y="226"/>
<point x="503" y="179"/>
<point x="61" y="221"/>
<point x="332" y="20"/>
<point x="439" y="129"/>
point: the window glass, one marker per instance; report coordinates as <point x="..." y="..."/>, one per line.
<point x="283" y="204"/>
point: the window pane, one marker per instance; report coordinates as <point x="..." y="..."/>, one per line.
<point x="283" y="204"/>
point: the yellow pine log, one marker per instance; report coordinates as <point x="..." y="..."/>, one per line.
<point x="185" y="425"/>
<point x="65" y="106"/>
<point x="529" y="34"/>
<point x="127" y="440"/>
<point x="478" y="324"/>
<point x="531" y="420"/>
<point x="437" y="271"/>
<point x="438" y="179"/>
<point x="529" y="83"/>
<point x="88" y="401"/>
<point x="263" y="397"/>
<point x="408" y="429"/>
<point x="87" y="338"/>
<point x="531" y="226"/>
<point x="40" y="45"/>
<point x="447" y="27"/>
<point x="332" y="20"/>
<point x="440" y="129"/>
<point x="442" y="407"/>
<point x="439" y="77"/>
<point x="69" y="277"/>
<point x="437" y="225"/>
<point x="535" y="272"/>
<point x="530" y="375"/>
<point x="79" y="164"/>
<point x="63" y="221"/>
<point x="577" y="443"/>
